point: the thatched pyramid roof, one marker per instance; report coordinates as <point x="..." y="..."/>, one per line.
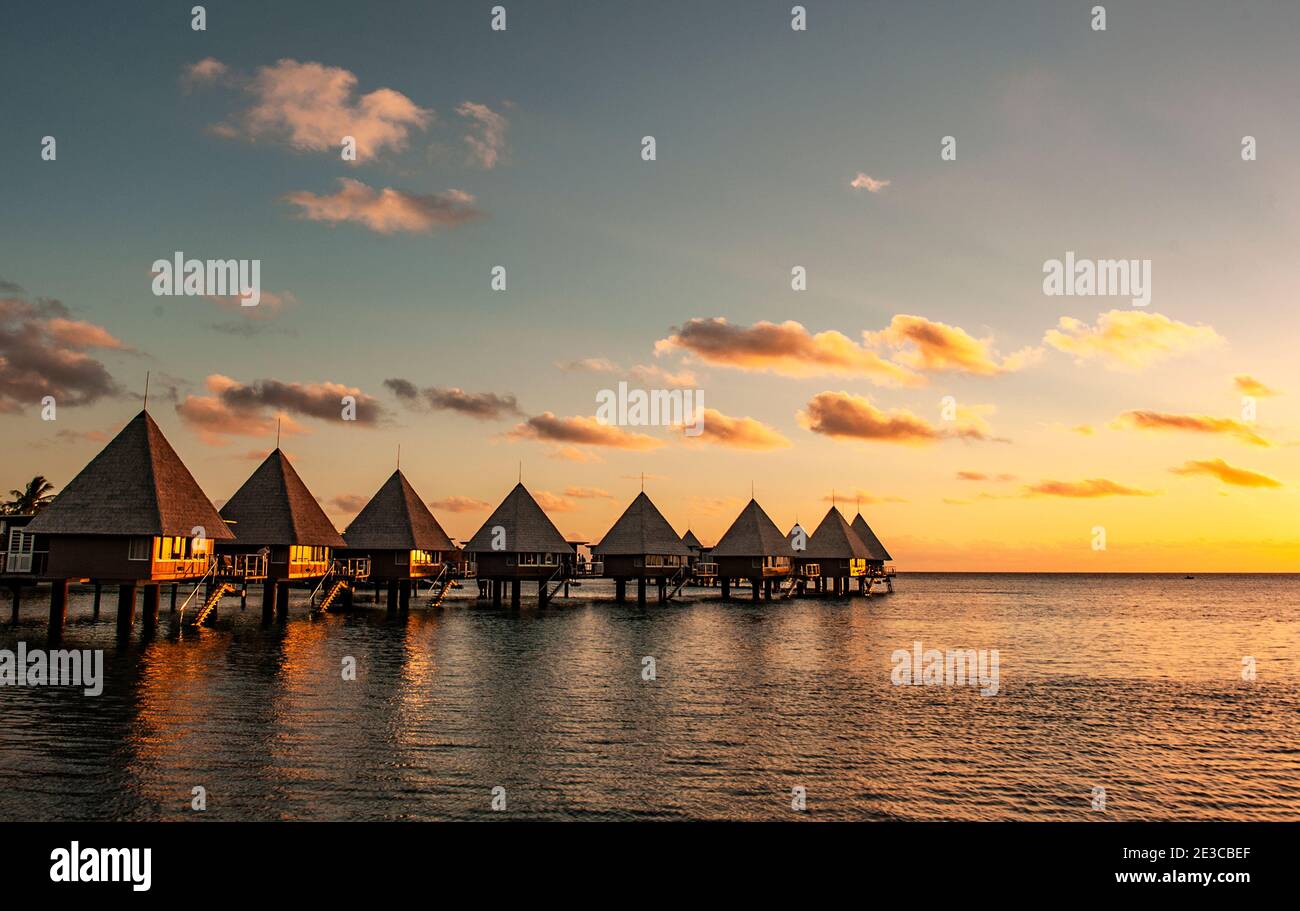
<point x="274" y="507"/>
<point x="642" y="529"/>
<point x="753" y="534"/>
<point x="691" y="541"/>
<point x="137" y="485"/>
<point x="527" y="528"/>
<point x="397" y="519"/>
<point x="874" y="547"/>
<point x="835" y="539"/>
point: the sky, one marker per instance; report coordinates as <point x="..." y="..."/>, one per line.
<point x="922" y="375"/>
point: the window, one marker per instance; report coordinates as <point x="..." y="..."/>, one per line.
<point x="139" y="549"/>
<point x="402" y="557"/>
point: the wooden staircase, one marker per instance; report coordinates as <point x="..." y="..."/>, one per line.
<point x="339" y="586"/>
<point x="214" y="598"/>
<point x="447" y="584"/>
<point x="677" y="580"/>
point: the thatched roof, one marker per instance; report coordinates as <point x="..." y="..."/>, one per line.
<point x="274" y="507"/>
<point x="397" y="519"/>
<point x="835" y="539"/>
<point x="691" y="541"/>
<point x="527" y="529"/>
<point x="753" y="534"/>
<point x="137" y="485"/>
<point x="642" y="529"/>
<point x="874" y="547"/>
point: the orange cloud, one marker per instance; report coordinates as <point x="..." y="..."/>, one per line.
<point x="552" y="503"/>
<point x="867" y="182"/>
<point x="787" y="349"/>
<point x="460" y="504"/>
<point x="237" y="409"/>
<point x="1094" y="487"/>
<point x="1248" y="385"/>
<point x="1194" y="423"/>
<point x="841" y="415"/>
<point x="311" y="106"/>
<point x="981" y="476"/>
<point x="44" y="352"/>
<point x="924" y="344"/>
<point x="1228" y="474"/>
<point x="386" y="211"/>
<point x="1129" y="339"/>
<point x="584" y="431"/>
<point x="738" y="433"/>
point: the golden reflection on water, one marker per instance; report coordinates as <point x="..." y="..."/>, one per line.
<point x="1133" y="684"/>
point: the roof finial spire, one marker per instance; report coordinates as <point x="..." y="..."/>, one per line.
<point x="521" y="471"/>
<point x="146" y="390"/>
<point x="277" y="432"/>
<point x="643" y="482"/>
<point x="399" y="456"/>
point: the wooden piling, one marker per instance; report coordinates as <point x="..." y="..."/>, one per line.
<point x="514" y="593"/>
<point x="18" y="599"/>
<point x="282" y="602"/>
<point x="268" y="601"/>
<point x="726" y="588"/>
<point x="496" y="592"/>
<point x="99" y="590"/>
<point x="58" y="608"/>
<point x="125" y="609"/>
<point x="620" y="593"/>
<point x="171" y="608"/>
<point x="392" y="598"/>
<point x="640" y="592"/>
<point x="152" y="596"/>
<point x="541" y="593"/>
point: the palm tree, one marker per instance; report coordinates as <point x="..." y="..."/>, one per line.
<point x="29" y="501"/>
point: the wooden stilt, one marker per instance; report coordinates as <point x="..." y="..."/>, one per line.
<point x="756" y="585"/>
<point x="726" y="588"/>
<point x="496" y="592"/>
<point x="171" y="609"/>
<point x="392" y="598"/>
<point x="125" y="609"/>
<point x="58" y="608"/>
<point x="620" y="593"/>
<point x="663" y="590"/>
<point x="18" y="599"/>
<point x="404" y="596"/>
<point x="282" y="602"/>
<point x="541" y="593"/>
<point x="243" y="596"/>
<point x="99" y="590"/>
<point x="268" y="602"/>
<point x="514" y="593"/>
<point x="151" y="598"/>
<point x="640" y="592"/>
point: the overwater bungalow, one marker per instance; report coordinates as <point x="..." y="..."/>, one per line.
<point x="403" y="541"/>
<point x="134" y="516"/>
<point x="877" y="571"/>
<point x="835" y="552"/>
<point x="703" y="570"/>
<point x="519" y="543"/>
<point x="274" y="514"/>
<point x="641" y="545"/>
<point x="753" y="548"/>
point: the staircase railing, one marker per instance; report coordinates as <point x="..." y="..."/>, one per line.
<point x="677" y="580"/>
<point x="559" y="582"/>
<point x="212" y="566"/>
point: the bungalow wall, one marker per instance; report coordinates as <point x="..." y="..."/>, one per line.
<point x="127" y="558"/>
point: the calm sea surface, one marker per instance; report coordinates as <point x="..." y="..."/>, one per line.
<point x="1130" y="683"/>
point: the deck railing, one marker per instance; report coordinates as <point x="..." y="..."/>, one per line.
<point x="351" y="568"/>
<point x="706" y="569"/>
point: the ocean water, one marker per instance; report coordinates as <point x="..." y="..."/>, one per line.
<point x="1132" y="684"/>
